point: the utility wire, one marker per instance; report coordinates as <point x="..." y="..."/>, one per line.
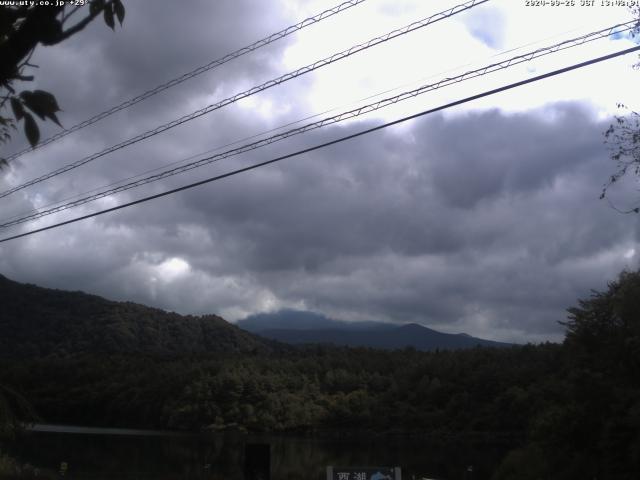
<point x="178" y="162"/>
<point x="275" y="129"/>
<point x="271" y="83"/>
<point x="332" y="142"/>
<point x="39" y="213"/>
<point x="193" y="73"/>
<point x="328" y="121"/>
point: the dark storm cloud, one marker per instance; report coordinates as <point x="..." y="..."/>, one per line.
<point x="522" y="248"/>
<point x="159" y="41"/>
<point x="502" y="154"/>
<point x="384" y="192"/>
<point x="483" y="222"/>
<point x="98" y="68"/>
<point x="374" y="228"/>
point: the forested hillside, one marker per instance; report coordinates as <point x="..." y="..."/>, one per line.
<point x="481" y="390"/>
<point x="564" y="411"/>
<point x="38" y="322"/>
<point x="396" y="337"/>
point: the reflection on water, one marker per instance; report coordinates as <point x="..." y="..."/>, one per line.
<point x="216" y="457"/>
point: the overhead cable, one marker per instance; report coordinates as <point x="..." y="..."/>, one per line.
<point x="329" y="121"/>
<point x="193" y="73"/>
<point x="326" y="144"/>
<point x="271" y="83"/>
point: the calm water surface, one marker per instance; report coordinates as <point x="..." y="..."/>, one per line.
<point x="132" y="454"/>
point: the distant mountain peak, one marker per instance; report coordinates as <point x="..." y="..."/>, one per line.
<point x="413" y="326"/>
<point x="290" y="319"/>
<point x="302" y="327"/>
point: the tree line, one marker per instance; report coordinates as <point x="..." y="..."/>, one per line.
<point x="565" y="410"/>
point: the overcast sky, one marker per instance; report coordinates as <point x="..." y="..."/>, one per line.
<point x="482" y="219"/>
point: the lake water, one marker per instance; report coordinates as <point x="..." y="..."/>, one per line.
<point x="114" y="454"/>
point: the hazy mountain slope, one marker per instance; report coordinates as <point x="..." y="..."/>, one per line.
<point x="303" y="320"/>
<point x="296" y="327"/>
<point x="36" y="321"/>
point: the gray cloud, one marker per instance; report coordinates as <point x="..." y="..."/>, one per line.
<point x="483" y="222"/>
<point x="487" y="25"/>
<point x="367" y="230"/>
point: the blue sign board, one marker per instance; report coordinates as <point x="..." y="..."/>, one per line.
<point x="364" y="473"/>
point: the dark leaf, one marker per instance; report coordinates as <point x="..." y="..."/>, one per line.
<point x="50" y="31"/>
<point x="3" y="163"/>
<point x="53" y="117"/>
<point x="118" y="7"/>
<point x="108" y="16"/>
<point x="16" y="106"/>
<point x="31" y="129"/>
<point x="41" y="103"/>
<point x="95" y="6"/>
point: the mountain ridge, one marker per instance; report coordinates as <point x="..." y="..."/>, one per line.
<point x="317" y="328"/>
<point x="37" y="322"/>
<point x="291" y="319"/>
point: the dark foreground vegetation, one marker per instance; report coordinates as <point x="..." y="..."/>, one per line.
<point x="563" y="411"/>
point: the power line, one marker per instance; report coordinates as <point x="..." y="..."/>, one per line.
<point x="271" y="83"/>
<point x="332" y="142"/>
<point x="193" y="73"/>
<point x="146" y="172"/>
<point x="329" y="121"/>
<point x="61" y="205"/>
